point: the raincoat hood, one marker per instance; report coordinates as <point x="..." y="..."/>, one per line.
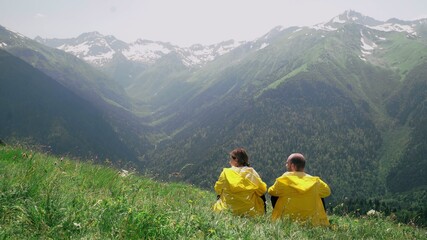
<point x="241" y="181"/>
<point x="298" y="181"/>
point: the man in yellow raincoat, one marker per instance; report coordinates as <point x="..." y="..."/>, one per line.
<point x="299" y="194"/>
<point x="240" y="188"/>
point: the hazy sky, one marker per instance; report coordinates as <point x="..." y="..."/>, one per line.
<point x="186" y="22"/>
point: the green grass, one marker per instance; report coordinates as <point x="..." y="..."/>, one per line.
<point x="44" y="197"/>
<point x="402" y="54"/>
<point x="277" y="83"/>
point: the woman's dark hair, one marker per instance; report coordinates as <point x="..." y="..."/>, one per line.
<point x="242" y="156"/>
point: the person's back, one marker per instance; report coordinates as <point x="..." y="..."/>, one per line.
<point x="299" y="195"/>
<point x="239" y="193"/>
<point x="240" y="189"/>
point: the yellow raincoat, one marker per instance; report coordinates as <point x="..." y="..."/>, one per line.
<point x="300" y="198"/>
<point x="240" y="190"/>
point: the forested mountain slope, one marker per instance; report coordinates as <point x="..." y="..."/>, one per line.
<point x="409" y="107"/>
<point x="65" y="68"/>
<point x="101" y="91"/>
<point x="35" y="109"/>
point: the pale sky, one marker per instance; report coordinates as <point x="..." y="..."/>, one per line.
<point x="187" y="22"/>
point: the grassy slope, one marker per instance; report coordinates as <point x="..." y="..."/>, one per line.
<point x="46" y="197"/>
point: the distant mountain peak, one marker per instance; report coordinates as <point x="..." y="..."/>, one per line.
<point x="90" y="35"/>
<point x="351" y="16"/>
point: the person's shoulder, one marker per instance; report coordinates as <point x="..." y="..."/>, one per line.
<point x="284" y="175"/>
<point x="253" y="171"/>
<point x="315" y="178"/>
<point x="290" y="174"/>
<point x="312" y="176"/>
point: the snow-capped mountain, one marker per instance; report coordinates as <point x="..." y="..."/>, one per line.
<point x="373" y="34"/>
<point x="100" y="50"/>
<point x="355" y="17"/>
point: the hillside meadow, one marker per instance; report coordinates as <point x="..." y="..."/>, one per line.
<point x="46" y="197"/>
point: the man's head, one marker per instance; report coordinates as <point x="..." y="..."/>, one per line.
<point x="295" y="162"/>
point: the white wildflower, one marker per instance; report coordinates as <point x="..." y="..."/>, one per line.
<point x="372" y="212"/>
<point x="124" y="173"/>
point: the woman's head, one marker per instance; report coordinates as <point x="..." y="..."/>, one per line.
<point x="240" y="157"/>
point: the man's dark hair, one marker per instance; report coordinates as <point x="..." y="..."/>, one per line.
<point x="299" y="161"/>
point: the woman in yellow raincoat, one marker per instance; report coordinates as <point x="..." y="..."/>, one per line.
<point x="299" y="195"/>
<point x="240" y="188"/>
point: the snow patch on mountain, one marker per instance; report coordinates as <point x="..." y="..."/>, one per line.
<point x="100" y="50"/>
<point x="367" y="47"/>
<point x="297" y="30"/>
<point x="354" y="17"/>
<point x="226" y="48"/>
<point x="264" y="45"/>
<point x="18" y="35"/>
<point x="324" y="27"/>
<point x="97" y="52"/>
<point x="198" y="55"/>
<point x="394" y="27"/>
<point x="337" y="19"/>
<point x="145" y="51"/>
<point x="100" y="59"/>
<point x="2" y="45"/>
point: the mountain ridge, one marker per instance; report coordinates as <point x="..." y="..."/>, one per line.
<point x="99" y="50"/>
<point x="163" y="48"/>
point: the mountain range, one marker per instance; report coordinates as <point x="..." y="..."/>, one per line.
<point x="100" y="50"/>
<point x="350" y="94"/>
